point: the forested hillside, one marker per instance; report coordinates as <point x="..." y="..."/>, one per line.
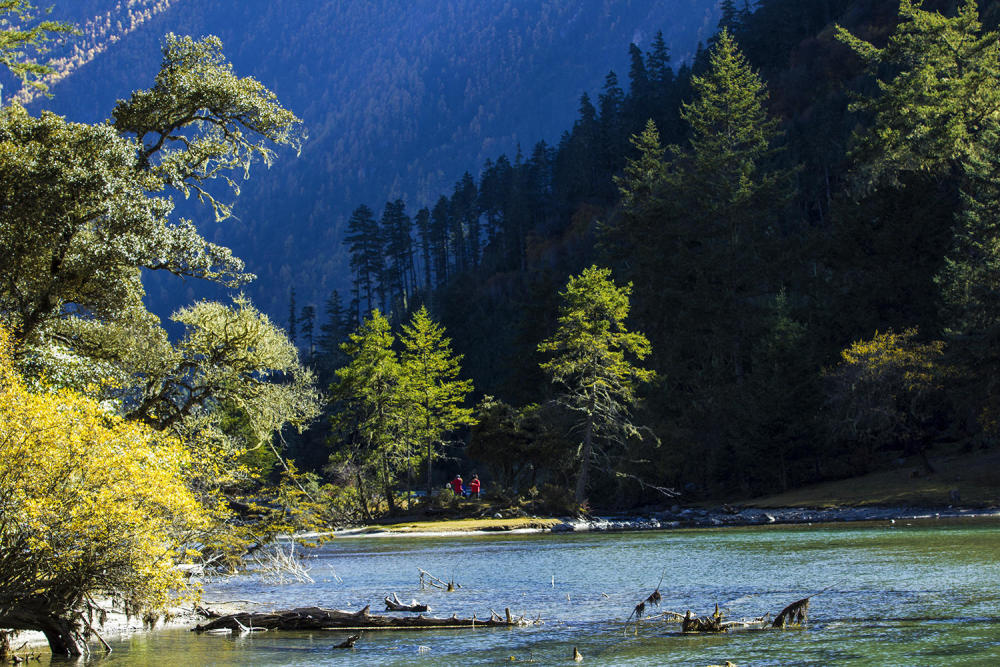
<point x="806" y="219"/>
<point x="398" y="99"/>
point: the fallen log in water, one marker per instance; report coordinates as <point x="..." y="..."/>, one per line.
<point x="395" y="604"/>
<point x="316" y="618"/>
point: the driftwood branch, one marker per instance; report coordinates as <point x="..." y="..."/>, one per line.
<point x="395" y="604"/>
<point x="431" y="580"/>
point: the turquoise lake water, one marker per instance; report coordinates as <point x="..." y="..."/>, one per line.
<point x="909" y="593"/>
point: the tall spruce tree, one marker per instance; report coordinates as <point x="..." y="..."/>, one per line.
<point x="591" y="365"/>
<point x="714" y="213"/>
<point x="434" y="392"/>
<point x="440" y="231"/>
<point x="422" y="220"/>
<point x="399" y="275"/>
<point x="365" y="246"/>
<point x="307" y="320"/>
<point x="370" y="424"/>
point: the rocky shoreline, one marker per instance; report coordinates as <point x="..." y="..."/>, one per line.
<point x="698" y="518"/>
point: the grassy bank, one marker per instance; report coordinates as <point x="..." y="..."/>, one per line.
<point x="974" y="476"/>
<point x="461" y="525"/>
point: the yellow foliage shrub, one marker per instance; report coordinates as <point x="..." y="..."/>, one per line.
<point x="90" y="504"/>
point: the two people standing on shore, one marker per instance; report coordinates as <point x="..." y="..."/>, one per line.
<point x="457" y="486"/>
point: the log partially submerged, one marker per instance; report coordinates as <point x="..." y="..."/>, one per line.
<point x="395" y="604"/>
<point x="794" y="615"/>
<point x="317" y="618"/>
<point x="349" y="642"/>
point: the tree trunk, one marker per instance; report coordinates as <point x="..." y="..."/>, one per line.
<point x="361" y="496"/>
<point x="430" y="462"/>
<point x="64" y="636"/>
<point x="387" y="485"/>
<point x="588" y="447"/>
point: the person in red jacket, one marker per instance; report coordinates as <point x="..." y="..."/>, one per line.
<point x="456" y="485"/>
<point x="474" y="486"/>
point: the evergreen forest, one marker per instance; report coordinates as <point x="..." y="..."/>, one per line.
<point x="804" y="217"/>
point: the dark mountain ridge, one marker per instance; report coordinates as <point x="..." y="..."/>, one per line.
<point x="398" y="99"/>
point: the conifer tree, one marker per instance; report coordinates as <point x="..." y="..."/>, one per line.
<point x="397" y="234"/>
<point x="465" y="218"/>
<point x="597" y="380"/>
<point x="364" y="244"/>
<point x="658" y="61"/>
<point x="422" y="220"/>
<point x="640" y="94"/>
<point x="440" y="230"/>
<point x="369" y="389"/>
<point x="729" y="198"/>
<point x="307" y="320"/>
<point x="332" y="333"/>
<point x="434" y="392"/>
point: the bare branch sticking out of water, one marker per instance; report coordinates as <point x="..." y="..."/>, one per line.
<point x="276" y="565"/>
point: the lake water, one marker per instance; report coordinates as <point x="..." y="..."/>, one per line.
<point x="909" y="593"/>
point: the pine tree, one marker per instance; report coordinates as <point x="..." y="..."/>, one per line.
<point x="332" y="334"/>
<point x="611" y="131"/>
<point x="434" y="393"/>
<point x="440" y="230"/>
<point x="658" y="61"/>
<point x="370" y="390"/>
<point x="729" y="18"/>
<point x="465" y="221"/>
<point x="422" y="220"/>
<point x="625" y="240"/>
<point x="598" y="382"/>
<point x="728" y="200"/>
<point x="397" y="233"/>
<point x="715" y="215"/>
<point x="640" y="94"/>
<point x="365" y="246"/>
